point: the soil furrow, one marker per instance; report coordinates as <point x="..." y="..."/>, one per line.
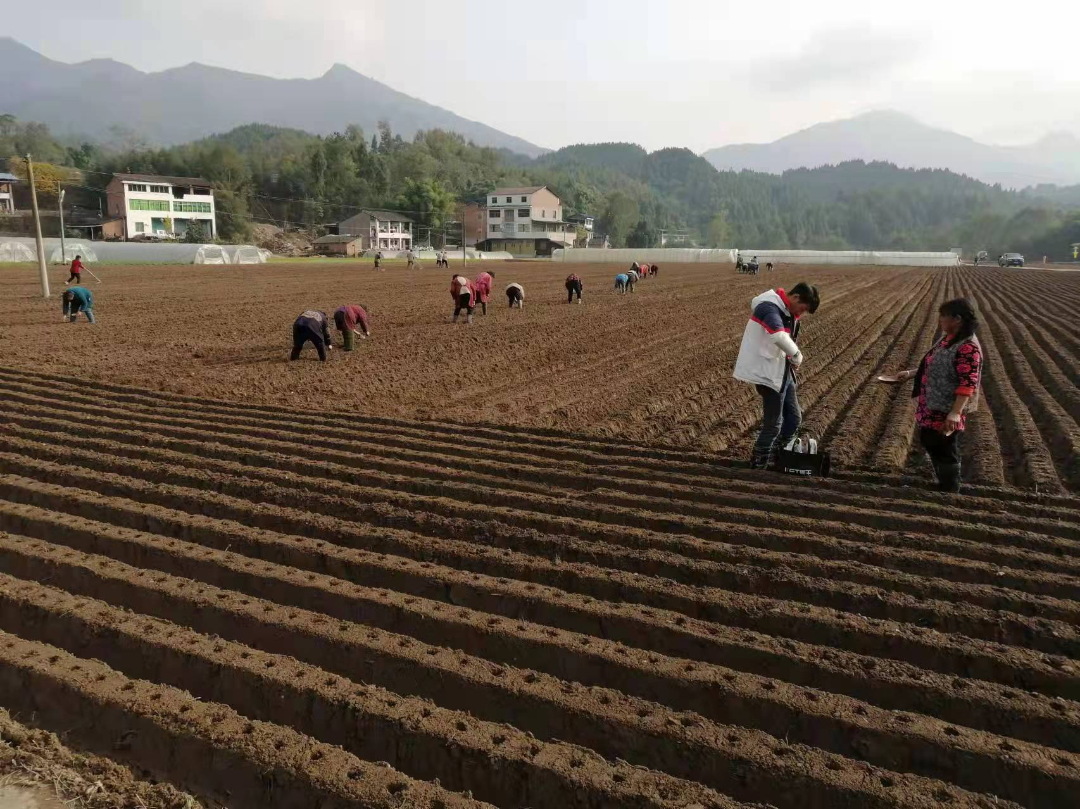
<point x="207" y="747"/>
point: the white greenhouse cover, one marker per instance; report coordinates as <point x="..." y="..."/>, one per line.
<point x="861" y="258"/>
<point x="212" y="254"/>
<point x="15" y="251"/>
<point x="653" y="255"/>
<point x="72" y="249"/>
<point x="247" y="254"/>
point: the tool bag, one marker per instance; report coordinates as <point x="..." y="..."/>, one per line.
<point x="803" y="456"/>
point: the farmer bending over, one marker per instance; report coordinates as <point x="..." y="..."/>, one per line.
<point x="482" y="285"/>
<point x="574" y="285"/>
<point x="464" y="295"/>
<point x="313" y="326"/>
<point x="75" y="300"/>
<point x="347" y="318"/>
<point x="515" y="294"/>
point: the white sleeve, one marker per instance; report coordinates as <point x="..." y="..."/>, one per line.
<point x="783" y="340"/>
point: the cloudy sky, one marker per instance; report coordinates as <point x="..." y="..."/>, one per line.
<point x="696" y="73"/>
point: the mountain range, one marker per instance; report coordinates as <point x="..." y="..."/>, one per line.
<point x="903" y="140"/>
<point x="90" y="99"/>
<point x="190" y="102"/>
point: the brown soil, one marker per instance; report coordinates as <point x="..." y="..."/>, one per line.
<point x="557" y="594"/>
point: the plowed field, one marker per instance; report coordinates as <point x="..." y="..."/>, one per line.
<point x="275" y="585"/>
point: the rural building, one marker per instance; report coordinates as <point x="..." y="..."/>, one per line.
<point x="379" y="230"/>
<point x="338" y="245"/>
<point x="161" y="206"/>
<point x="7" y="202"/>
<point x="591" y="238"/>
<point x="96" y="227"/>
<point x="474" y="215"/>
<point x="526" y="222"/>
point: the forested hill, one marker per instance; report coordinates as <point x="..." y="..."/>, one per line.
<point x="266" y="173"/>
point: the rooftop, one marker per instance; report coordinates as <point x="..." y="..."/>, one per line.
<point x="156" y="178"/>
<point x="8" y="178"/>
<point x="383" y="216"/>
<point x="531" y="189"/>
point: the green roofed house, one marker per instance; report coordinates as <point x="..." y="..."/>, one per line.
<point x="153" y="206"/>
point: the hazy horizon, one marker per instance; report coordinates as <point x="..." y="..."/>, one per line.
<point x="685" y="73"/>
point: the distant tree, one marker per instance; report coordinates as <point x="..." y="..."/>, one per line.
<point x="47" y="177"/>
<point x="642" y="235"/>
<point x="621" y="212"/>
<point x="719" y="231"/>
<point x="194" y="233"/>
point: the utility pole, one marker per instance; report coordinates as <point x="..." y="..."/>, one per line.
<point x="60" y="205"/>
<point x="44" y="273"/>
<point x="464" y="257"/>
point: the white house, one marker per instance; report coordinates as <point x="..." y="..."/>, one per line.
<point x="161" y="206"/>
<point x="526" y="222"/>
<point x="7" y="204"/>
<point x="380" y="230"/>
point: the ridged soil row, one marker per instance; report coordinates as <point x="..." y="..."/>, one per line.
<point x="578" y="572"/>
<point x="580" y="566"/>
<point x="26" y="403"/>
<point x="207" y="748"/>
<point x="570" y="454"/>
<point x="863" y="418"/>
<point x="1060" y="436"/>
<point x="515" y="597"/>
<point x="949" y="653"/>
<point x="503" y="763"/>
<point x="574" y="652"/>
<point x="831" y="355"/>
<point x="750" y="765"/>
<point x="587" y="521"/>
<point x="491" y="761"/>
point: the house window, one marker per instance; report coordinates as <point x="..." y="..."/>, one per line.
<point x="508" y="199"/>
<point x="495" y="214"/>
<point x="135" y="187"/>
<point x="494" y="228"/>
<point x="524" y="199"/>
<point x="191" y="207"/>
<point x="159" y="189"/>
<point x="149" y="204"/>
<point x="204" y="191"/>
<point x="523" y="213"/>
<point x="523" y="228"/>
<point x="140" y="227"/>
<point x="494" y="200"/>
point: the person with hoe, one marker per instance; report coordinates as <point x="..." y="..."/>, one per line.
<point x="75" y="300"/>
<point x="946" y="389"/>
<point x="76" y="271"/>
<point x="482" y="285"/>
<point x="768" y="359"/>
<point x="314" y="326"/>
<point x="347" y="318"/>
<point x="464" y="295"/>
<point x="515" y="295"/>
<point x="574" y="285"/>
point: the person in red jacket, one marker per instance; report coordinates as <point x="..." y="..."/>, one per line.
<point x="482" y="285"/>
<point x="76" y="271"/>
<point x="347" y="318"/>
<point x="464" y="295"/>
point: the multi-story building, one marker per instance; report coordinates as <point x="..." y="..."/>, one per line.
<point x="474" y="215"/>
<point x="526" y="222"/>
<point x="162" y="207"/>
<point x="584" y="222"/>
<point x="7" y="203"/>
<point x="379" y="230"/>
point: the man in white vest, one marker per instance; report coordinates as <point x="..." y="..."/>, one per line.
<point x="768" y="359"/>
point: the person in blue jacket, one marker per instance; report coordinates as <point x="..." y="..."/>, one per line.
<point x="622" y="281"/>
<point x="75" y="300"/>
